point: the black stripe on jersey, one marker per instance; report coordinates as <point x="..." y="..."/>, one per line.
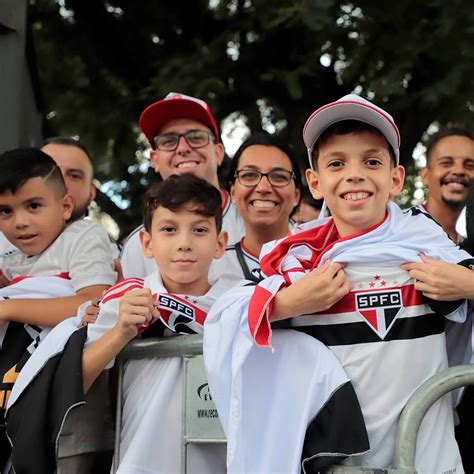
<point x="361" y="333"/>
<point x="418" y="210"/>
<point x="38" y="329"/>
<point x="323" y="443"/>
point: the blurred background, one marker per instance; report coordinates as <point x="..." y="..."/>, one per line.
<point x="87" y="69"/>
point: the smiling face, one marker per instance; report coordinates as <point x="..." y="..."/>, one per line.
<point x="34" y="216"/>
<point x="450" y="168"/>
<point x="356" y="178"/>
<point x="183" y="245"/>
<point x="265" y="206"/>
<point x="202" y="162"/>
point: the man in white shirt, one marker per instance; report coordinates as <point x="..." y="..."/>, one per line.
<point x="75" y="163"/>
<point x="184" y="138"/>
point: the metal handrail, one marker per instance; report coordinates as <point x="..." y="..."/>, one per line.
<point x="183" y="346"/>
<point x="417" y="406"/>
<point x="408" y="426"/>
<point x="162" y="347"/>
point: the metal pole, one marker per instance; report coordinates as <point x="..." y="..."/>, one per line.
<point x="162" y="347"/>
<point x="182" y="346"/>
<point x="417" y="406"/>
<point x="118" y="417"/>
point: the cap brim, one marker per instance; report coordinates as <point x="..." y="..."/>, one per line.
<point x="158" y="114"/>
<point x="335" y="112"/>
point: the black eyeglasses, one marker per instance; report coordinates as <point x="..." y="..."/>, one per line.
<point x="170" y="141"/>
<point x="277" y="178"/>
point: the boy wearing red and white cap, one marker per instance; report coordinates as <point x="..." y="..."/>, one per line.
<point x="338" y="280"/>
<point x="184" y="138"/>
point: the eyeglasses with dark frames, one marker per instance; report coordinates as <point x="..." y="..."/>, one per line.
<point x="277" y="178"/>
<point x="194" y="138"/>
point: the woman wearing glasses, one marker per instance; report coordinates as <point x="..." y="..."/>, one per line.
<point x="265" y="186"/>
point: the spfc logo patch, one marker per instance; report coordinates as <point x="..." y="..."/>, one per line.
<point x="379" y="309"/>
<point x="180" y="315"/>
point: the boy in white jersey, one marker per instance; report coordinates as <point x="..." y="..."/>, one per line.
<point x="182" y="233"/>
<point x="339" y="280"/>
<point x="57" y="266"/>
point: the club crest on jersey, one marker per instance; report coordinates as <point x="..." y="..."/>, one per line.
<point x="379" y="309"/>
<point x="167" y="301"/>
<point x="180" y="315"/>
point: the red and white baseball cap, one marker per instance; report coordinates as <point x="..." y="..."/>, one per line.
<point x="350" y="107"/>
<point x="175" y="106"/>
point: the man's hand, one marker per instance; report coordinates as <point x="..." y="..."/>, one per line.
<point x="441" y="281"/>
<point x="136" y="308"/>
<point x="316" y="291"/>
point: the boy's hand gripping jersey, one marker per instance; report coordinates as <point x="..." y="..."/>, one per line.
<point x="182" y="314"/>
<point x="399" y="239"/>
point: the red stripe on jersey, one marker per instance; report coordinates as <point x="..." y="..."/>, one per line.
<point x="259" y="309"/>
<point x="119" y="289"/>
<point x="316" y="240"/>
<point x="121" y="293"/>
<point x="64" y="275"/>
<point x="319" y="240"/>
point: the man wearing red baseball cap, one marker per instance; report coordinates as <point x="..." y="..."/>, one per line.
<point x="184" y="138"/>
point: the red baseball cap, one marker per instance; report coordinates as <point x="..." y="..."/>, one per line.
<point x="175" y="106"/>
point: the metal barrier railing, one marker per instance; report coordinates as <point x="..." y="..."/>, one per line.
<point x="408" y="426"/>
<point x="189" y="348"/>
<point x="417" y="406"/>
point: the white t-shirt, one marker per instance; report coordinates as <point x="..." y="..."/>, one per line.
<point x="82" y="253"/>
<point x="5" y="247"/>
<point x="135" y="264"/>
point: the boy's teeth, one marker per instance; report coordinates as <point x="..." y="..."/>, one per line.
<point x="265" y="204"/>
<point x="355" y="196"/>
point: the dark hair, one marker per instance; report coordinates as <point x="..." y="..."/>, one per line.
<point x="265" y="139"/>
<point x="449" y="131"/>
<point x="346" y="127"/>
<point x="180" y="190"/>
<point x="67" y="141"/>
<point x="468" y="243"/>
<point x="21" y="164"/>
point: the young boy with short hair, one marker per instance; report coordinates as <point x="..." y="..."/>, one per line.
<point x="182" y="233"/>
<point x="57" y="266"/>
<point x="339" y="281"/>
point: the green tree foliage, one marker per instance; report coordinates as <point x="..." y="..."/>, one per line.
<point x="272" y="63"/>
